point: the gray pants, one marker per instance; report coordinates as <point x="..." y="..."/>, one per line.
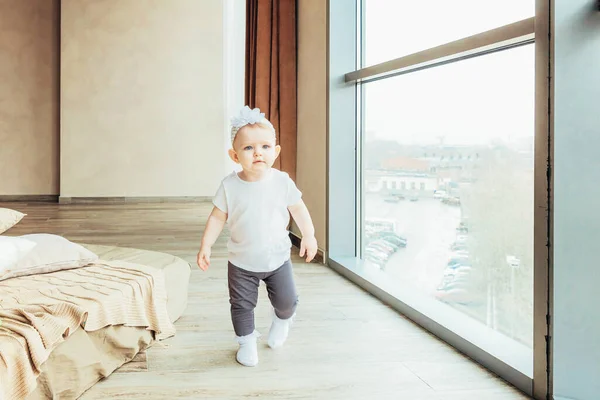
<point x="243" y="294"/>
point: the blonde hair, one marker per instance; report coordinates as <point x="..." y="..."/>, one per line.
<point x="264" y="123"/>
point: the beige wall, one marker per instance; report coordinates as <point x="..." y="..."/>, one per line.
<point x="312" y="111"/>
<point x="142" y="98"/>
<point x="29" y="154"/>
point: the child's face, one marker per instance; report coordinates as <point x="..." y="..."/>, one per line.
<point x="254" y="148"/>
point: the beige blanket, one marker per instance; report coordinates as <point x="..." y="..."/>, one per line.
<point x="78" y="363"/>
<point x="38" y="312"/>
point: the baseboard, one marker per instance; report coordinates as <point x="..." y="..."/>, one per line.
<point x="124" y="199"/>
<point x="320" y="257"/>
<point x="28" y="198"/>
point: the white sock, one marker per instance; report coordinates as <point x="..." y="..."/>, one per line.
<point x="247" y="354"/>
<point x="279" y="331"/>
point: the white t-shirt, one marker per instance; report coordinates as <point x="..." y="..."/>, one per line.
<point x="258" y="217"/>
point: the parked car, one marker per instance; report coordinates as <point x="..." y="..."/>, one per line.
<point x="461" y="269"/>
<point x="461" y="238"/>
<point x="380" y="264"/>
<point x="458" y="246"/>
<point x="393" y="238"/>
<point x="454" y="264"/>
<point x="462" y="228"/>
<point x="439" y="194"/>
<point x="369" y="251"/>
<point x="385" y="250"/>
<point x="459" y="253"/>
<point x="458" y="260"/>
<point x="376" y="258"/>
<point x="451" y="201"/>
<point x="383" y="246"/>
<point x="374" y="225"/>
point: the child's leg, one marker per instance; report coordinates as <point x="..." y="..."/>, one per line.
<point x="284" y="298"/>
<point x="282" y="291"/>
<point x="243" y="295"/>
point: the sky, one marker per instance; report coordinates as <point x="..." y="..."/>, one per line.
<point x="470" y="102"/>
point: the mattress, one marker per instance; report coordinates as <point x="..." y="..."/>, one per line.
<point x="87" y="357"/>
<point x="177" y="272"/>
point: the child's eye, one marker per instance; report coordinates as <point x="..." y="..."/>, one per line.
<point x="266" y="146"/>
<point x="248" y="148"/>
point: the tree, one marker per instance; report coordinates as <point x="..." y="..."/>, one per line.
<point x="498" y="206"/>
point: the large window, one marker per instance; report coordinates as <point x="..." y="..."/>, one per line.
<point x="437" y="182"/>
<point x="460" y="230"/>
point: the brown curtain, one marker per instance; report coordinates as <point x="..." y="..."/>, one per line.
<point x="271" y="70"/>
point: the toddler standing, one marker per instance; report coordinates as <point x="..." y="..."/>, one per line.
<point x="256" y="203"/>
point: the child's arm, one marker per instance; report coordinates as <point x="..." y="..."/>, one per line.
<point x="302" y="217"/>
<point x="214" y="226"/>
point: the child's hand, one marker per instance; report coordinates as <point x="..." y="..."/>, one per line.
<point x="203" y="258"/>
<point x="308" y="246"/>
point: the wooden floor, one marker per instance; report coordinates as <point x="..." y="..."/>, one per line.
<point x="345" y="344"/>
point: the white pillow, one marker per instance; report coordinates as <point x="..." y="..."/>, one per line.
<point x="12" y="249"/>
<point x="51" y="253"/>
<point x="9" y="218"/>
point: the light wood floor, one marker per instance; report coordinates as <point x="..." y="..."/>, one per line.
<point x="345" y="344"/>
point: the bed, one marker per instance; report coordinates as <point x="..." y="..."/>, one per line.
<point x="93" y="349"/>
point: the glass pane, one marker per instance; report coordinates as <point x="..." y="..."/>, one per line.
<point x="395" y="28"/>
<point x="448" y="185"/>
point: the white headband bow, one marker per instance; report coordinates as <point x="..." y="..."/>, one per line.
<point x="247" y="116"/>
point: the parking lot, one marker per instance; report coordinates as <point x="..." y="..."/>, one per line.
<point x="430" y="228"/>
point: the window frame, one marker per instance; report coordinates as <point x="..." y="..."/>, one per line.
<point x="345" y="166"/>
